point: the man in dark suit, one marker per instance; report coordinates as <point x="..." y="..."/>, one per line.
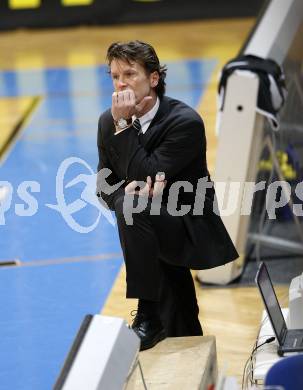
<point x="167" y="225"/>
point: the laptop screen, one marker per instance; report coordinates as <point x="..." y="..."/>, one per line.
<point x="271" y="302"/>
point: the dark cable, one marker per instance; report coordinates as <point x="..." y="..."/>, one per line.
<point x="263" y="211"/>
<point x="267" y="341"/>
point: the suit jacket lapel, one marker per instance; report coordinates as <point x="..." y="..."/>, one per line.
<point x="156" y="124"/>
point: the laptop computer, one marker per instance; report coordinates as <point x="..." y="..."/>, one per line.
<point x="289" y="340"/>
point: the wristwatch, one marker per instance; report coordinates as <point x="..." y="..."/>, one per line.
<point x="122" y="123"/>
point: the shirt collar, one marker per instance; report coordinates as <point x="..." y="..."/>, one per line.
<point x="149" y="116"/>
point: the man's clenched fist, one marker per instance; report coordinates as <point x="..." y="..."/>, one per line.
<point x="124" y="105"/>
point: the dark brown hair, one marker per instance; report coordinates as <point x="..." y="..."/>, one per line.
<point x="144" y="54"/>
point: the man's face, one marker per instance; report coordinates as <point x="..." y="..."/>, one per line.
<point x="133" y="76"/>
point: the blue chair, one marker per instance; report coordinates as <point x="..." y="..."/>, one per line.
<point x="287" y="372"/>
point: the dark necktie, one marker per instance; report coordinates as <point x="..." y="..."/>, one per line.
<point x="137" y="126"/>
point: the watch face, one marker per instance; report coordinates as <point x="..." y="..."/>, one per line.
<point x="122" y="123"/>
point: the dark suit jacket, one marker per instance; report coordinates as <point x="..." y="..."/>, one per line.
<point x="174" y="143"/>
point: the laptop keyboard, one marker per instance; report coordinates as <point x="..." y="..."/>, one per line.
<point x="297" y="342"/>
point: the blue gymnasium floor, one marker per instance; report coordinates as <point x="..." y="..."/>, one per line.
<point x="70" y="256"/>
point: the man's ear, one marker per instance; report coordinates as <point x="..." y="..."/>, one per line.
<point x="154" y="79"/>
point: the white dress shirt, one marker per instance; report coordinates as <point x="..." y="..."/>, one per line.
<point x="146" y="119"/>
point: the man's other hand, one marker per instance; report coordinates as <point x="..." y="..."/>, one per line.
<point x="148" y="189"/>
<point x="159" y="185"/>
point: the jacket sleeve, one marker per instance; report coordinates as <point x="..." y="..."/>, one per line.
<point x="109" y="188"/>
<point x="180" y="145"/>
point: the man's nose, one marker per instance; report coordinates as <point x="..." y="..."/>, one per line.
<point x="121" y="85"/>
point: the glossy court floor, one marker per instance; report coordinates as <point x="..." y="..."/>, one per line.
<point x="53" y="87"/>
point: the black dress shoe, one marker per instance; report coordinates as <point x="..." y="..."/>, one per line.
<point x="149" y="329"/>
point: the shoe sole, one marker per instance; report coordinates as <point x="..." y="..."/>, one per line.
<point x="151" y="344"/>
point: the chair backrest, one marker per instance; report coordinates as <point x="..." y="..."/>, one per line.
<point x="287" y="372"/>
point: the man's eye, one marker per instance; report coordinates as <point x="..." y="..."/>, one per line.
<point x="114" y="77"/>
